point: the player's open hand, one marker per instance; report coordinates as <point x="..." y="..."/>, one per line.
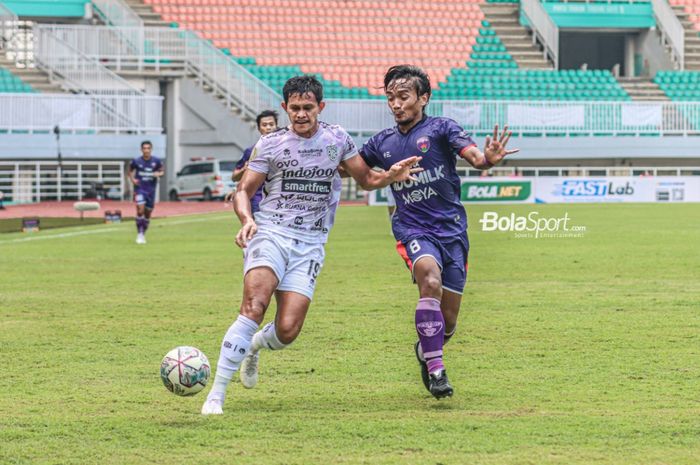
<point x="403" y="170"/>
<point x="230" y="196"/>
<point x="495" y="149"/>
<point x="246" y="233"/>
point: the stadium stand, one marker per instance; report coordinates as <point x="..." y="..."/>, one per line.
<point x="692" y="8"/>
<point x="11" y="83"/>
<point x="481" y="67"/>
<point x="497" y="84"/>
<point x="679" y="85"/>
<point x="359" y="39"/>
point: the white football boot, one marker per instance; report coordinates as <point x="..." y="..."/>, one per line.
<point x="140" y="239"/>
<point x="249" y="369"/>
<point x="213" y="407"/>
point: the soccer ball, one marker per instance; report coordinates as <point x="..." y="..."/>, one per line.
<point x="185" y="371"/>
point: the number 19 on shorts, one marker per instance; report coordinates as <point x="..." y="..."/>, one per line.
<point x="314" y="268"/>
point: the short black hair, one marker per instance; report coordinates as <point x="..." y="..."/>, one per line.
<point x="146" y="142"/>
<point x="420" y="78"/>
<point x="266" y="114"/>
<point x="302" y="85"/>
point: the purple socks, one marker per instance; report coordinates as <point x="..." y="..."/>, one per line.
<point x="430" y="326"/>
<point x="142" y="224"/>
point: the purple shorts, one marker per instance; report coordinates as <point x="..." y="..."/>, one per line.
<point x="145" y="198"/>
<point x="451" y="256"/>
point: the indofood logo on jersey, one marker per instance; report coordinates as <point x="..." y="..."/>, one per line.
<point x="474" y="191"/>
<point x="423" y="144"/>
<point x="422" y="192"/>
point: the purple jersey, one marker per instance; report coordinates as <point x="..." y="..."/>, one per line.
<point x="431" y="205"/>
<point x="257" y="197"/>
<point x="143" y="172"/>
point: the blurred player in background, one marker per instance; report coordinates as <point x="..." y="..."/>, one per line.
<point x="430" y="223"/>
<point x="267" y="123"/>
<point x="286" y="238"/>
<point x="144" y="172"/>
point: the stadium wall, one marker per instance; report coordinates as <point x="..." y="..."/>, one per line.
<point x="197" y="125"/>
<point x="649" y="47"/>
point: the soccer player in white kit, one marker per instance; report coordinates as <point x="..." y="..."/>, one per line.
<point x="286" y="238"/>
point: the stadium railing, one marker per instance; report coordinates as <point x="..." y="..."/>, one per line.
<point x="533" y="118"/>
<point x="542" y="27"/>
<point x="80" y="113"/>
<point x="78" y="71"/>
<point x="672" y="31"/>
<point x="26" y="182"/>
<point x="121" y="104"/>
<point x="165" y="47"/>
<point x="118" y="13"/>
<point x="8" y="25"/>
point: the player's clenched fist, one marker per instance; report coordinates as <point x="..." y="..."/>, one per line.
<point x="246" y="233"/>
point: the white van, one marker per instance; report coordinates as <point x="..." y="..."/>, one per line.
<point x="204" y="179"/>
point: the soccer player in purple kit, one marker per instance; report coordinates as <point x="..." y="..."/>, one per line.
<point x="144" y="172"/>
<point x="430" y="223"/>
<point x="267" y="123"/>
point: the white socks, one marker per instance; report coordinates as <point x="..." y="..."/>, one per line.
<point x="267" y="339"/>
<point x="234" y="348"/>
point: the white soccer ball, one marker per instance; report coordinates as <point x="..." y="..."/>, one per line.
<point x="185" y="371"/>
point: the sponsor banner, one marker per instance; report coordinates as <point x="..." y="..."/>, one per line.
<point x="618" y="189"/>
<point x="527" y="117"/>
<point x="494" y="190"/>
<point x="572" y="190"/>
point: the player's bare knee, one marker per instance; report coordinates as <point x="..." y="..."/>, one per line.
<point x="254" y="308"/>
<point x="287" y="331"/>
<point x="431" y="286"/>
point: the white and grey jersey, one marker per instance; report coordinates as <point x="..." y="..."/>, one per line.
<point x="302" y="185"/>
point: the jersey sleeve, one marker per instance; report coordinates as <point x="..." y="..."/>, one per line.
<point x="457" y="138"/>
<point x="349" y="148"/>
<point x="244" y="158"/>
<point x="159" y="165"/>
<point x="132" y="165"/>
<point x="370" y="153"/>
<point x="260" y="157"/>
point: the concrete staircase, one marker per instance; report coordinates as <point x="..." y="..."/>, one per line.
<point x="149" y="17"/>
<point x="692" y="40"/>
<point x="504" y="19"/>
<point x="32" y="76"/>
<point x="642" y="89"/>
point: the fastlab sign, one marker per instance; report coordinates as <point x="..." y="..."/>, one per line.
<point x="496" y="191"/>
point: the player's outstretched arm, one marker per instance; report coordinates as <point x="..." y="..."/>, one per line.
<point x="369" y="179"/>
<point x="494" y="150"/>
<point x="250" y="183"/>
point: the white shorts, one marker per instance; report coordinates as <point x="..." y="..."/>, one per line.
<point x="296" y="264"/>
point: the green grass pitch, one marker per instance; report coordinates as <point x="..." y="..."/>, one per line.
<point x="568" y="351"/>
